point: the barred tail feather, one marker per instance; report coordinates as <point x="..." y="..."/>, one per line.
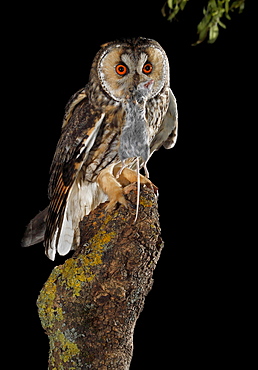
<point x="83" y="198"/>
<point x="66" y="237"/>
<point x="35" y="230"/>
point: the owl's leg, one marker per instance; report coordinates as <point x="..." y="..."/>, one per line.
<point x="126" y="175"/>
<point x="129" y="176"/>
<point x="112" y="188"/>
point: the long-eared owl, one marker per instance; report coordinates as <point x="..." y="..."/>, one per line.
<point x="125" y="112"/>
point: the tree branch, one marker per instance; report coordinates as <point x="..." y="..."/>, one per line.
<point x="90" y="304"/>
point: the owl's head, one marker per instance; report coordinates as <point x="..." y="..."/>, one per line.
<point x="123" y="66"/>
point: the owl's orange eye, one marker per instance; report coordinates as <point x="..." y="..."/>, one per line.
<point x="121" y="69"/>
<point x="147" y="68"/>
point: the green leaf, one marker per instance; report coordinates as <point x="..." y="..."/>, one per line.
<point x="183" y="4"/>
<point x="213" y="33"/>
<point x="203" y="34"/>
<point x="221" y="24"/>
<point x="170" y="4"/>
<point x="242" y="7"/>
<point x="174" y="13"/>
<point x="163" y="10"/>
<point x="227" y="7"/>
<point x="204" y="22"/>
<point x="212" y="5"/>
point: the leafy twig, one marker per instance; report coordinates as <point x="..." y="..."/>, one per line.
<point x="209" y="25"/>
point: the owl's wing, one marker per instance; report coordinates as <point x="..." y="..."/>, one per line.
<point x="80" y="128"/>
<point x="167" y="134"/>
<point x="72" y="103"/>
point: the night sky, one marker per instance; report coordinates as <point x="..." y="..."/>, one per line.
<point x="190" y="315"/>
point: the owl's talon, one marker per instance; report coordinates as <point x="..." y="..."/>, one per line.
<point x="130" y="187"/>
<point x="113" y="203"/>
<point x="155" y="189"/>
<point x="110" y="207"/>
<point x="151" y="186"/>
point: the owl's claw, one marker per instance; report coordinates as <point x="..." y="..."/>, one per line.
<point x="113" y="203"/>
<point x="130" y="187"/>
<point x="117" y="188"/>
<point x="155" y="189"/>
<point x="133" y="186"/>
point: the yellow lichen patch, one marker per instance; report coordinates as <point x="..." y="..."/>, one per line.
<point x="145" y="202"/>
<point x="100" y="240"/>
<point x="73" y="275"/>
<point x="75" y="272"/>
<point x="65" y="347"/>
<point x="47" y="312"/>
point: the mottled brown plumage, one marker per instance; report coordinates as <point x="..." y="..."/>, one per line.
<point x="86" y="168"/>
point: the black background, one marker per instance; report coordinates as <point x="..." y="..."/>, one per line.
<point x="192" y="316"/>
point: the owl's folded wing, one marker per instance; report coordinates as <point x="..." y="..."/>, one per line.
<point x="167" y="134"/>
<point x="79" y="132"/>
